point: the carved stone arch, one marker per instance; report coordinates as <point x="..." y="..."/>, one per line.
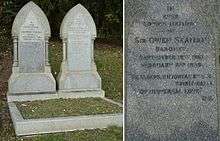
<point x="74" y="12"/>
<point x="23" y="14"/>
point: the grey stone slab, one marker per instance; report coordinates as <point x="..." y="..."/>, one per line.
<point x="79" y="43"/>
<point x="170" y="71"/>
<point x="27" y="83"/>
<point x="31" y="46"/>
<point x="55" y="95"/>
<point x="31" y="57"/>
<point x="80" y="80"/>
<point x="62" y="124"/>
<point x="81" y="94"/>
<point x="31" y="71"/>
<point x="78" y="70"/>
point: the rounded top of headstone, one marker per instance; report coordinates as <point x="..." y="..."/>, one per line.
<point x="20" y="18"/>
<point x="77" y="10"/>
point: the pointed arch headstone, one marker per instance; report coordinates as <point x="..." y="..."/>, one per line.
<point x="31" y="70"/>
<point x="78" y="70"/>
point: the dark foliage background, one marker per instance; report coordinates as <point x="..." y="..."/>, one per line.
<point x="107" y="14"/>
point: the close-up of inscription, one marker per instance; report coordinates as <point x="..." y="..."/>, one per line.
<point x="31" y="46"/>
<point x="171" y="72"/>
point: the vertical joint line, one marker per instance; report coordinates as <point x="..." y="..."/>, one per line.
<point x="15" y="53"/>
<point x="46" y="50"/>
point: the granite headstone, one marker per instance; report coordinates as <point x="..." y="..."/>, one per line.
<point x="78" y="70"/>
<point x="170" y="71"/>
<point x="31" y="70"/>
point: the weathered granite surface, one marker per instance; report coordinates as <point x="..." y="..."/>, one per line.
<point x="170" y="70"/>
<point x="78" y="70"/>
<point x="31" y="71"/>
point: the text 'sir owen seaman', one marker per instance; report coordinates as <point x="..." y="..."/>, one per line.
<point x="171" y="70"/>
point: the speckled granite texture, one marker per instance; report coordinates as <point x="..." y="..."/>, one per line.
<point x="170" y="70"/>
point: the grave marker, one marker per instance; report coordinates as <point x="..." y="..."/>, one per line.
<point x="78" y="69"/>
<point x="31" y="71"/>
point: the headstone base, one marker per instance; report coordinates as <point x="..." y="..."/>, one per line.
<point x="22" y="83"/>
<point x="60" y="94"/>
<point x="79" y="81"/>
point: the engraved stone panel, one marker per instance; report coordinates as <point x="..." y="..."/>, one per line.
<point x="31" y="46"/>
<point x="79" y="43"/>
<point x="171" y="72"/>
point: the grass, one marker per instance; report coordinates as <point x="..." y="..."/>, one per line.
<point x="66" y="107"/>
<point x="109" y="65"/>
<point x="55" y="56"/>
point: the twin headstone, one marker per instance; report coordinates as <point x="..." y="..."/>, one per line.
<point x="31" y="69"/>
<point x="78" y="70"/>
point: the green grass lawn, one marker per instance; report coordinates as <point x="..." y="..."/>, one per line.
<point x="66" y="107"/>
<point x="109" y="63"/>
